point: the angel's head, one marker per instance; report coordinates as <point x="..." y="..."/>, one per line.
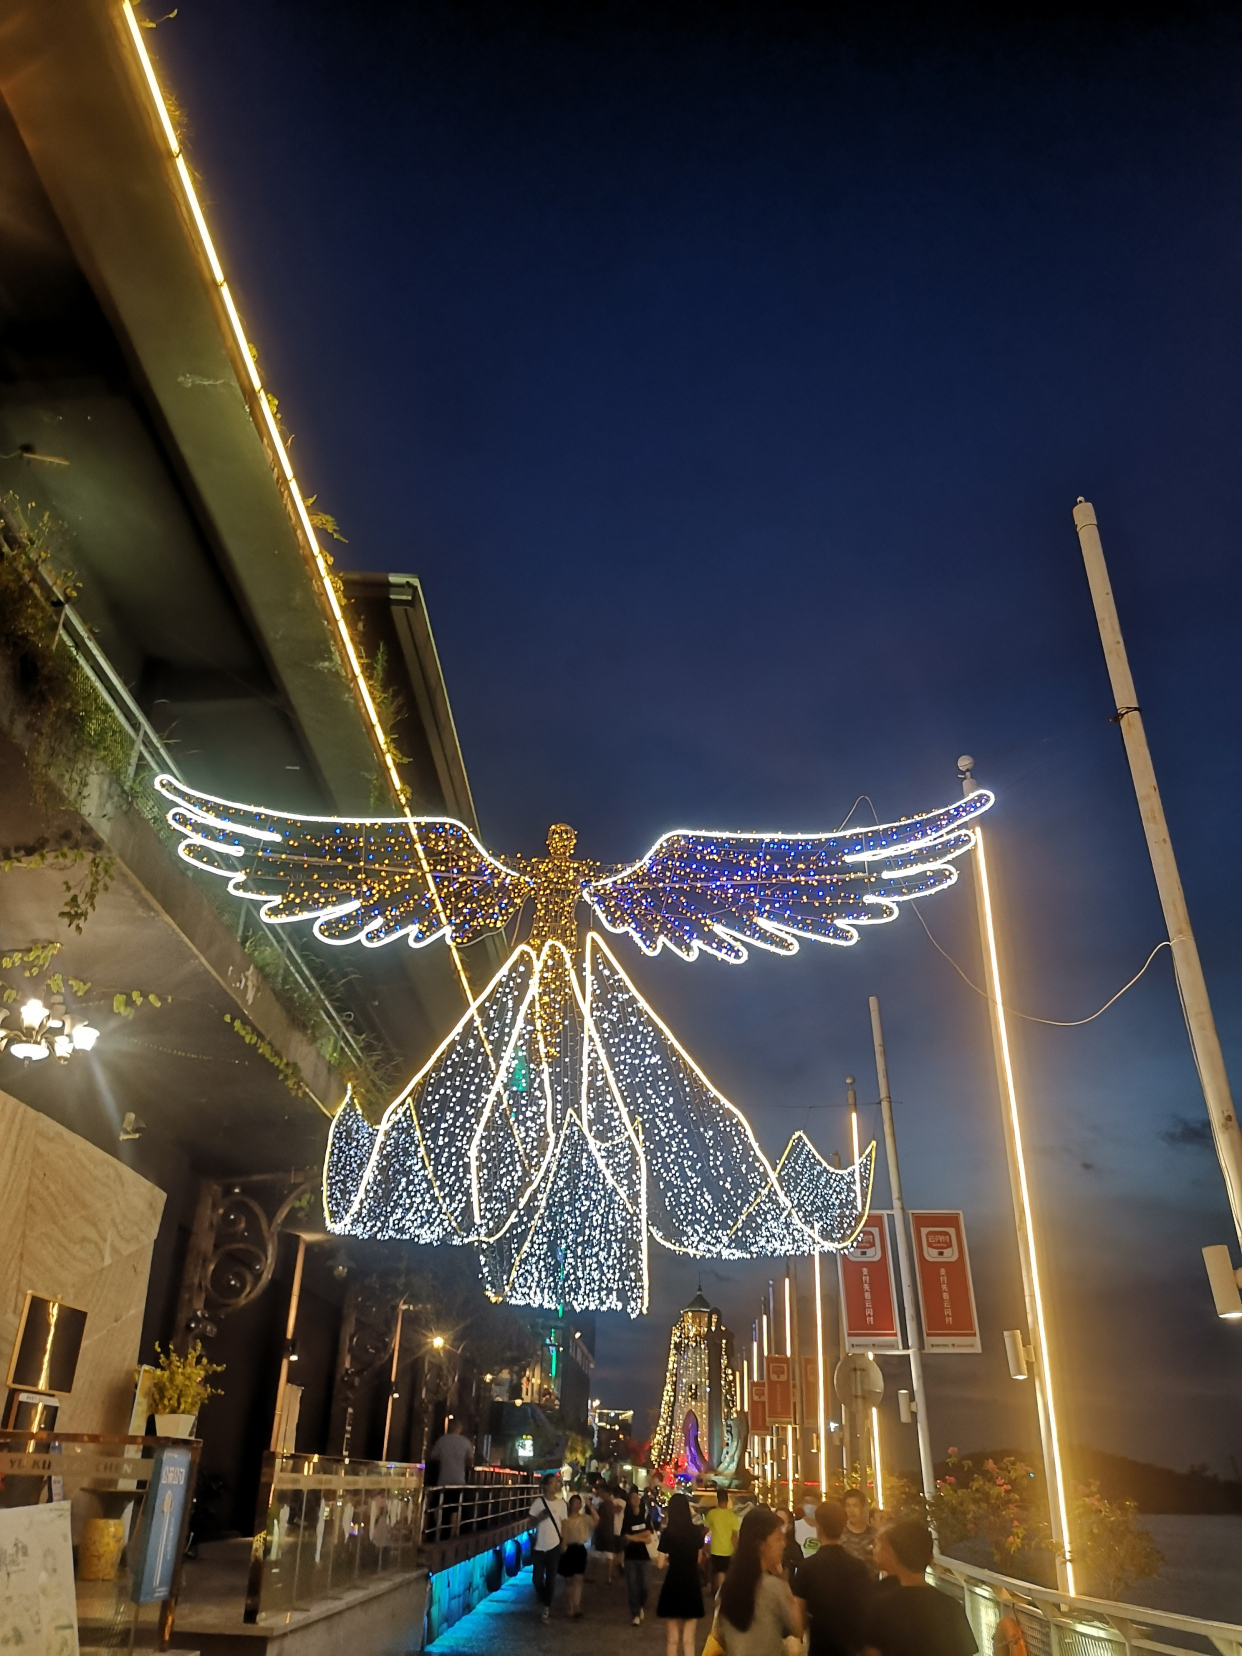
<point x="561" y="840"/>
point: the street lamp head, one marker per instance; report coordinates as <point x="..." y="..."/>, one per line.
<point x="966" y="764"/>
<point x="438" y="1341"/>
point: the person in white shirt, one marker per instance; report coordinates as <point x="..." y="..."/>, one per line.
<point x="550" y="1510"/>
<point x="805" y="1532"/>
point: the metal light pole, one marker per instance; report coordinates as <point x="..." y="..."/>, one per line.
<point x="1019" y="1187"/>
<point x="914" y="1333"/>
<point x="1204" y="1041"/>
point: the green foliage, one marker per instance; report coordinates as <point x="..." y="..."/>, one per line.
<point x="71" y="727"/>
<point x="182" y="1384"/>
<point x="289" y="1073"/>
<point x="324" y="520"/>
<point x="126" y="1004"/>
<point x="1110" y="1546"/>
<point x="80" y="900"/>
<point x="997" y="1503"/>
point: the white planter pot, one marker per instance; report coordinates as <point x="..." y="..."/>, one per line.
<point x="178" y="1426"/>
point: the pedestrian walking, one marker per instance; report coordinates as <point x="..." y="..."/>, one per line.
<point x="913" y="1619"/>
<point x="636" y="1532"/>
<point x="681" y="1592"/>
<point x="551" y="1512"/>
<point x="575" y="1532"/>
<point x="607" y="1541"/>
<point x="858" y="1536"/>
<point x="722" y="1525"/>
<point x="834" y="1588"/>
<point x="756" y="1611"/>
<point x="791" y="1555"/>
<point x="451" y="1455"/>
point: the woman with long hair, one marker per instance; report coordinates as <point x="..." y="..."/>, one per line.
<point x="681" y="1596"/>
<point x="757" y="1611"/>
<point x="576" y="1532"/>
<point x="791" y="1557"/>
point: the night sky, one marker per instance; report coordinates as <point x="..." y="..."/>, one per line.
<point x="729" y="380"/>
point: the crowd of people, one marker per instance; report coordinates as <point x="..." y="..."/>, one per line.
<point x="836" y="1579"/>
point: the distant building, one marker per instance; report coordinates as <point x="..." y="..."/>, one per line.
<point x="613" y="1427"/>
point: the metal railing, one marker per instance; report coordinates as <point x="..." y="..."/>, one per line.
<point x="1057" y="1624"/>
<point x="495" y="1500"/>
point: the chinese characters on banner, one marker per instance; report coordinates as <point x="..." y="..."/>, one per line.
<point x="868" y="1293"/>
<point x="758" y="1418"/>
<point x="946" y="1293"/>
<point x="778" y="1375"/>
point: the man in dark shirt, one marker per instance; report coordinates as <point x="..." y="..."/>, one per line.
<point x="913" y="1619"/>
<point x="858" y="1536"/>
<point x="834" y="1588"/>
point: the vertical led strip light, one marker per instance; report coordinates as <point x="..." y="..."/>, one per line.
<point x="821" y="1388"/>
<point x="278" y="447"/>
<point x="1050" y="1429"/>
<point x="789" y="1352"/>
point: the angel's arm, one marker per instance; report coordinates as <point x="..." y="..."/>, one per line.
<point x="717" y="892"/>
<point x="368" y="880"/>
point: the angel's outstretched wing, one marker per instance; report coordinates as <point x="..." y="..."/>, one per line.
<point x="371" y="880"/>
<point x="717" y="892"/>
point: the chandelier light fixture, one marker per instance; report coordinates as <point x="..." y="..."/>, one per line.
<point x="46" y="1032"/>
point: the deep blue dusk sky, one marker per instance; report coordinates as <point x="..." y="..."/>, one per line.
<point x="730" y="385"/>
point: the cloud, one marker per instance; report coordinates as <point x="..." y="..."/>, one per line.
<point x="1183" y="1133"/>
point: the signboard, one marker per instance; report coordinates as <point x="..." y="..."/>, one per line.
<point x="778" y="1378"/>
<point x="154" y="1558"/>
<point x="868" y="1292"/>
<point x="758" y="1417"/>
<point x="946" y="1293"/>
<point x="40" y="1606"/>
<point x="810" y="1388"/>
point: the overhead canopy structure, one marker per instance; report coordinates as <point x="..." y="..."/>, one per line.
<point x="131" y="415"/>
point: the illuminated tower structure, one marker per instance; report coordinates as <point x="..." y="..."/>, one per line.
<point x="700" y="1382"/>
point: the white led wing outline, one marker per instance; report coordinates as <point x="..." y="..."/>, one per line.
<point x="892" y="846"/>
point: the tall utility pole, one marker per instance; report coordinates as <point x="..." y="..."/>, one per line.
<point x="914" y="1333"/>
<point x="1024" y="1219"/>
<point x="1204" y="1041"/>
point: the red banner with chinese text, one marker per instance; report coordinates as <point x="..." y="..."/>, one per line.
<point x="758" y="1414"/>
<point x="868" y="1292"/>
<point x="778" y="1375"/>
<point x="946" y="1293"/>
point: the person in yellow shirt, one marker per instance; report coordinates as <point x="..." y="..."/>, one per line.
<point x="722" y="1526"/>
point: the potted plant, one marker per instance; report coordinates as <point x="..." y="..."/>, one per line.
<point x="179" y="1389"/>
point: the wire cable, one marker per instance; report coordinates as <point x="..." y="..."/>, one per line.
<point x="1028" y="1017"/>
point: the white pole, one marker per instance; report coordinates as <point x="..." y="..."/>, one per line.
<point x="914" y="1334"/>
<point x="1204" y="1041"/>
<point x="1019" y="1187"/>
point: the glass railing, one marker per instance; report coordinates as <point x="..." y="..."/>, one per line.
<point x="333" y="1526"/>
<point x="92" y="1535"/>
<point x="1053" y="1623"/>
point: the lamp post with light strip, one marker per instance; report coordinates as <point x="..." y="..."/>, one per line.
<point x="1037" y="1353"/>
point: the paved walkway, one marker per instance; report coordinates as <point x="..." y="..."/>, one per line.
<point x="507" y="1624"/>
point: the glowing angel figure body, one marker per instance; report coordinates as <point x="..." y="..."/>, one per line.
<point x="560" y="1127"/>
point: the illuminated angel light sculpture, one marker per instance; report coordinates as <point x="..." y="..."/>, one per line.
<point x="560" y="1127"/>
